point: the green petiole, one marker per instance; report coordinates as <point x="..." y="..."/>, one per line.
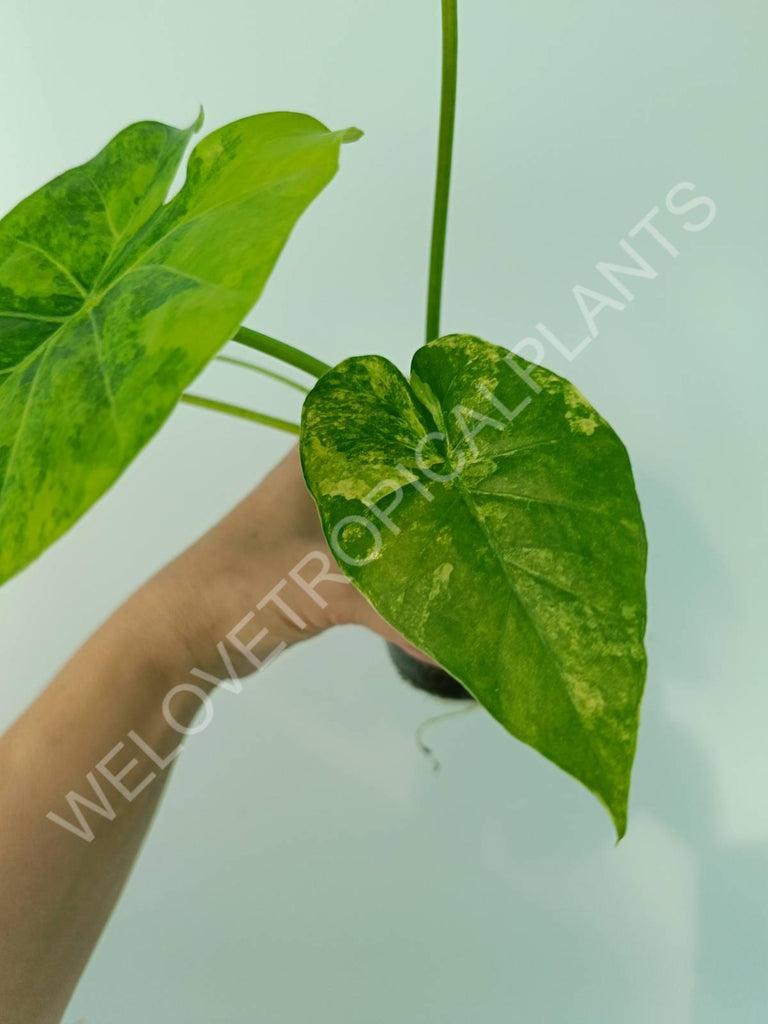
<point x="264" y="371"/>
<point x="444" y="156"/>
<point x="243" y="414"/>
<point x="282" y="351"/>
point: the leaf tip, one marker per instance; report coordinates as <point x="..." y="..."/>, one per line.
<point x="617" y="806"/>
<point x="619" y="819"/>
<point x="198" y="123"/>
<point x="351" y="134"/>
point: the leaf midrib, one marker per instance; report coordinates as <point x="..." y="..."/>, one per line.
<point x="91" y="300"/>
<point x="543" y="639"/>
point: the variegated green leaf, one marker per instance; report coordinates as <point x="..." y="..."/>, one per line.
<point x="489" y="513"/>
<point x="111" y="302"/>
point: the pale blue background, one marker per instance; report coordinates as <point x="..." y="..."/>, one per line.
<point x="306" y="864"/>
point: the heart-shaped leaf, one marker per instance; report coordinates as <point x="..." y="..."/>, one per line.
<point x="489" y="514"/>
<point x="111" y="302"/>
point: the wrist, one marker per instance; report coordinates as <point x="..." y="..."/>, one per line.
<point x="215" y="615"/>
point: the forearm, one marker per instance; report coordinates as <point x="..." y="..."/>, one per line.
<point x="108" y="725"/>
<point x="57" y="888"/>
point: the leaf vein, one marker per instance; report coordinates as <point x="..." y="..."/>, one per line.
<point x="78" y="285"/>
<point x="25" y="412"/>
<point x="20" y="315"/>
<point x="99" y="346"/>
<point x="544" y="640"/>
<point x="107" y="215"/>
<point x="555" y="503"/>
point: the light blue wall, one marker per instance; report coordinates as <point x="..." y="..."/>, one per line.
<point x="307" y="865"/>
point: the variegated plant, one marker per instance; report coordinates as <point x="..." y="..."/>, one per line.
<point x="483" y="507"/>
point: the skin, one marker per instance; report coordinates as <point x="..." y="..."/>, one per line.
<point x="57" y="890"/>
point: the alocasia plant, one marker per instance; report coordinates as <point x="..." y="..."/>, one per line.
<point x="483" y="507"/>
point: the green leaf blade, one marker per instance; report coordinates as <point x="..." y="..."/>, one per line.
<point x="522" y="575"/>
<point x="111" y="303"/>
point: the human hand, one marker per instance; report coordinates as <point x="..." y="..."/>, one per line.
<point x="252" y="564"/>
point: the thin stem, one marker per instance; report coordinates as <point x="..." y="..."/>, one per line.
<point x="282" y="351"/>
<point x="444" y="155"/>
<point x="437" y="720"/>
<point x="243" y="414"/>
<point x="264" y="371"/>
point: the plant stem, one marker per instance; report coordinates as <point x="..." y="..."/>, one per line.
<point x="264" y="371"/>
<point x="282" y="351"/>
<point x="444" y="155"/>
<point x="243" y="414"/>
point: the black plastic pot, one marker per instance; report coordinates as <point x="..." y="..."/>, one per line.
<point x="427" y="677"/>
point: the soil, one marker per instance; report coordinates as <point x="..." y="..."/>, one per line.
<point x="427" y="677"/>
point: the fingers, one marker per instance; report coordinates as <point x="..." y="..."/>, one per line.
<point x="361" y="613"/>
